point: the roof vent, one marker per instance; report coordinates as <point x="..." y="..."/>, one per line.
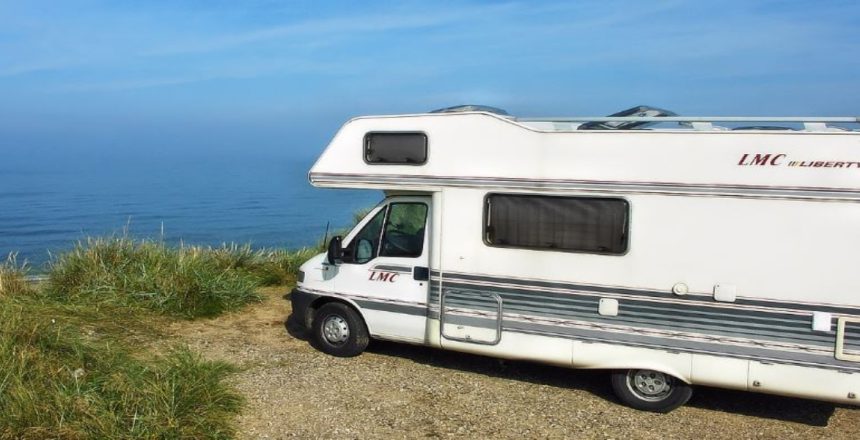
<point x="471" y="108"/>
<point x="638" y="111"/>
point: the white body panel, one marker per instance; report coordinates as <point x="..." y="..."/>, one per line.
<point x="759" y="228"/>
<point x="734" y="241"/>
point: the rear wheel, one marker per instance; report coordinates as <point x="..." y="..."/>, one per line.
<point x="339" y="331"/>
<point x="650" y="390"/>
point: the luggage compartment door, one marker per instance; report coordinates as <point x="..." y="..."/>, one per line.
<point x="470" y="316"/>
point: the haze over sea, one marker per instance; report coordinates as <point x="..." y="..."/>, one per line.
<point x="263" y="200"/>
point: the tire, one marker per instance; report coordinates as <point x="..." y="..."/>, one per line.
<point x="650" y="390"/>
<point x="339" y="331"/>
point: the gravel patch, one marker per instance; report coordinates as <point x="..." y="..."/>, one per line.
<point x="402" y="391"/>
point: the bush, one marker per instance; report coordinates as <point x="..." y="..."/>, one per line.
<point x="184" y="281"/>
<point x="13" y="278"/>
<point x="67" y="369"/>
<point x="280" y="267"/>
<point x="272" y="267"/>
<point x="188" y="281"/>
<point x="57" y="383"/>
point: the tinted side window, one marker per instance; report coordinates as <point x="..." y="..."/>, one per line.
<point x="404" y="231"/>
<point x="395" y="148"/>
<point x="577" y="224"/>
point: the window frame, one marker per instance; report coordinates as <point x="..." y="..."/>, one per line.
<point x="486" y="213"/>
<point x="385" y="210"/>
<point x="389" y="207"/>
<point x="365" y="144"/>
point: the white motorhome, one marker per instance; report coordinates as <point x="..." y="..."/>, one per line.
<point x="673" y="251"/>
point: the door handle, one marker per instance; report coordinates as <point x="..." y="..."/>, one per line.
<point x="420" y="273"/>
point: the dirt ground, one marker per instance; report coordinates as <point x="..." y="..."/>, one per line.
<point x="402" y="391"/>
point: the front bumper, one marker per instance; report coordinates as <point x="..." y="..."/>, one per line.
<point x="301" y="302"/>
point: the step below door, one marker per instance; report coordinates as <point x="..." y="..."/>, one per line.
<point x="469" y="316"/>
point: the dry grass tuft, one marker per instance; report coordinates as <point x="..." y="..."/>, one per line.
<point x="13" y="278"/>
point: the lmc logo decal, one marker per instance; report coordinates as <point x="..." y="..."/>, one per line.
<point x="781" y="159"/>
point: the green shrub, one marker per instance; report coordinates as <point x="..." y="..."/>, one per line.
<point x="272" y="267"/>
<point x="57" y="382"/>
<point x="280" y="267"/>
<point x="183" y="281"/>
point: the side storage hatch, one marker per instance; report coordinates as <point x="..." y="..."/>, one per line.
<point x="469" y="316"/>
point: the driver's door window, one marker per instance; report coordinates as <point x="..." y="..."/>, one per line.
<point x="367" y="241"/>
<point x="402" y="235"/>
<point x="404" y="230"/>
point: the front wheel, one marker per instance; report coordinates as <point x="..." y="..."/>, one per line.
<point x="650" y="390"/>
<point x="339" y="331"/>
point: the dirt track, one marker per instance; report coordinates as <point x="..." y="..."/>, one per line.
<point x="402" y="391"/>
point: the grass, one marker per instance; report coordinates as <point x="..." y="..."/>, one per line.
<point x="281" y="267"/>
<point x="184" y="281"/>
<point x="57" y="381"/>
<point x="13" y="280"/>
<point x="75" y="351"/>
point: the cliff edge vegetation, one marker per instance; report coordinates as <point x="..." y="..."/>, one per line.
<point x="79" y="356"/>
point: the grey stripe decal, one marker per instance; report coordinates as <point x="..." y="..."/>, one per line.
<point x="392" y="268"/>
<point x="670" y="344"/>
<point x="390" y="307"/>
<point x="452" y="276"/>
<point x="667" y="344"/>
<point x="638" y="303"/>
<point x="776" y="330"/>
<point x="665" y="188"/>
<point x="671" y="317"/>
<point x="471" y="321"/>
<point x="754" y="354"/>
<point x="668" y="320"/>
<point x="571" y="303"/>
<point x="771" y="341"/>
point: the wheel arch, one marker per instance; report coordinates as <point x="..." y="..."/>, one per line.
<point x="323" y="300"/>
<point x="613" y="356"/>
<point x="674" y="371"/>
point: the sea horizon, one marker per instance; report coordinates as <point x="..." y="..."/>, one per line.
<point x="49" y="203"/>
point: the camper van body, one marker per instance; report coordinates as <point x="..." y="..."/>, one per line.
<point x="730" y="257"/>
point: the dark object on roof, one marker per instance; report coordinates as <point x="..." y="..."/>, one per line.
<point x="471" y="108"/>
<point x="638" y="111"/>
<point x="762" y="127"/>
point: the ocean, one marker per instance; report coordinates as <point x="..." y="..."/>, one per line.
<point x="46" y="206"/>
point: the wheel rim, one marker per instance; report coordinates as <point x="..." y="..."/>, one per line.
<point x="335" y="330"/>
<point x="649" y="385"/>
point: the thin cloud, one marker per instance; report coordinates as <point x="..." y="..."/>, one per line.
<point x="251" y="70"/>
<point x="405" y="51"/>
<point x="37" y="67"/>
<point x="377" y="23"/>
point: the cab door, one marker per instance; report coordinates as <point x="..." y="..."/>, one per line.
<point x="386" y="272"/>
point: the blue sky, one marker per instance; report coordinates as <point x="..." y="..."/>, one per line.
<point x="269" y="76"/>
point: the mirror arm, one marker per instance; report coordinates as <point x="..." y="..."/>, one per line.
<point x="347" y="255"/>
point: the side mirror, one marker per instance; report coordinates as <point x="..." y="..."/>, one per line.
<point x="335" y="251"/>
